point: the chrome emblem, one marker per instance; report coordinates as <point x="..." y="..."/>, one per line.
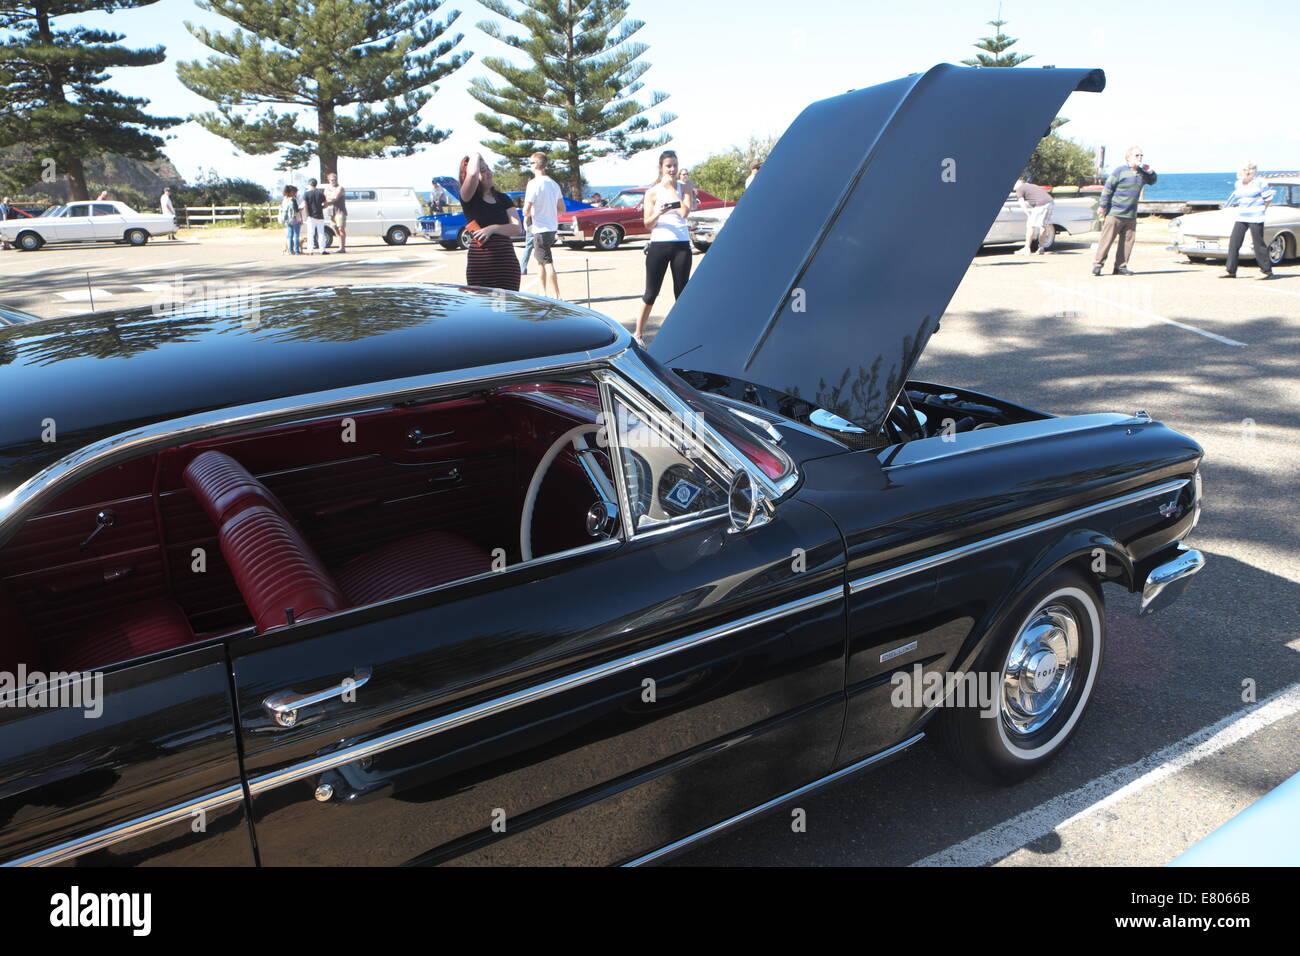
<point x="1171" y="510"/>
<point x="898" y="651"/>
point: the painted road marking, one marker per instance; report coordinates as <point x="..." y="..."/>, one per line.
<point x="1096" y="795"/>
<point x="84" y="295"/>
<point x="1142" y="312"/>
<point x="420" y="272"/>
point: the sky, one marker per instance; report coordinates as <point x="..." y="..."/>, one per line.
<point x="1199" y="84"/>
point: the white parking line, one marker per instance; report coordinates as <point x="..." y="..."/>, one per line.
<point x="1283" y="292"/>
<point x="84" y="295"/>
<point x="1142" y="312"/>
<point x="419" y="272"/>
<point x="1059" y="812"/>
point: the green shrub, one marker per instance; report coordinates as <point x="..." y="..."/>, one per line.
<point x="255" y="217"/>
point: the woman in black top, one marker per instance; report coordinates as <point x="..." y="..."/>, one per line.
<point x="492" y="262"/>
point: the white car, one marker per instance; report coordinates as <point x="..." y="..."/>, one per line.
<point x="1204" y="235"/>
<point x="98" y="221"/>
<point x="391" y="212"/>
<point x="705" y="225"/>
<point x="1070" y="216"/>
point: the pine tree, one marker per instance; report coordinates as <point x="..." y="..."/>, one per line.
<point x="53" y="100"/>
<point x="578" y="92"/>
<point x="333" y="62"/>
<point x="995" y="48"/>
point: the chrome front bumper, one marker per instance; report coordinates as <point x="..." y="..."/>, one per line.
<point x="1167" y="581"/>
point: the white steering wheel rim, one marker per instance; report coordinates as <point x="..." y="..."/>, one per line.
<point x="535" y="485"/>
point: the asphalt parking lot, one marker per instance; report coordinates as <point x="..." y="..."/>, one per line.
<point x="1197" y="712"/>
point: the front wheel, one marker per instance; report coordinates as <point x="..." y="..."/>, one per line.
<point x="30" y="241"/>
<point x="1034" y="677"/>
<point x="464" y="240"/>
<point x="608" y="238"/>
<point x="397" y="236"/>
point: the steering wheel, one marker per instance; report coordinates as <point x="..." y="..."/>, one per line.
<point x="578" y="437"/>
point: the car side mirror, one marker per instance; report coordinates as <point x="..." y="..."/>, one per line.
<point x="744" y="504"/>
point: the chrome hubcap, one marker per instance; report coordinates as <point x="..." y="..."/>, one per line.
<point x="1275" y="250"/>
<point x="1040" y="669"/>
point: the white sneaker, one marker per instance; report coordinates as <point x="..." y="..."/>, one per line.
<point x="1023" y="251"/>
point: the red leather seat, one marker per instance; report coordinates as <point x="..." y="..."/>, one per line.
<point x="132" y="631"/>
<point x="412" y="564"/>
<point x="278" y="574"/>
<point x="224" y="487"/>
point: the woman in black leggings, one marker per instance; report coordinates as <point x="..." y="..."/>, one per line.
<point x="666" y="205"/>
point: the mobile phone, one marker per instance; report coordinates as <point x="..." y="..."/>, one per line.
<point x="670" y="205"/>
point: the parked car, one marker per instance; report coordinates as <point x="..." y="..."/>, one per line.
<point x="392" y="212"/>
<point x="1264" y="834"/>
<point x="467" y="575"/>
<point x="1203" y="236"/>
<point x="607" y="226"/>
<point x="1069" y="217"/>
<point x="99" y="221"/>
<point x="705" y="225"/>
<point x="448" y="228"/>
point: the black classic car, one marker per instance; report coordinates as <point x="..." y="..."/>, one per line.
<point x="430" y="574"/>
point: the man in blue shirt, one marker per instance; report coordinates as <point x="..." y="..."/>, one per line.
<point x="1118" y="206"/>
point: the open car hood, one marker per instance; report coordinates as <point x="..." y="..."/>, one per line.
<point x="834" y="269"/>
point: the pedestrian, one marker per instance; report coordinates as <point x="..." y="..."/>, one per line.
<point x="437" y="198"/>
<point x="313" y="201"/>
<point x="543" y="206"/>
<point x="291" y="219"/>
<point x="754" y="167"/>
<point x="168" y="208"/>
<point x="6" y="212"/>
<point x="1037" y="205"/>
<point x="491" y="221"/>
<point x="336" y="209"/>
<point x="665" y="207"/>
<point x="1118" y="207"/>
<point x="1252" y="198"/>
<point x="103" y="195"/>
<point x="597" y="199"/>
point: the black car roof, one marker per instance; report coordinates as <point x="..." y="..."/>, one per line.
<point x="88" y="377"/>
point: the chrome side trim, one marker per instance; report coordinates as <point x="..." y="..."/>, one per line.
<point x="467" y="715"/>
<point x="681" y="844"/>
<point x="975" y="547"/>
<point x="129" y="830"/>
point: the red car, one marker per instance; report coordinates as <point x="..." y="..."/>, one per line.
<point x="607" y="226"/>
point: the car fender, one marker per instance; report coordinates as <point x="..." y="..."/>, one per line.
<point x="1085" y="548"/>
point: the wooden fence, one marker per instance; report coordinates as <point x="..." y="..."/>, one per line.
<point x="222" y="215"/>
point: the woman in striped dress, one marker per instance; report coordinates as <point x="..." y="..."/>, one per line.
<point x="492" y="222"/>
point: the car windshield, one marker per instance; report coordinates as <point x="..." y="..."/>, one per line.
<point x="1285" y="194"/>
<point x="54" y="211"/>
<point x="626" y="200"/>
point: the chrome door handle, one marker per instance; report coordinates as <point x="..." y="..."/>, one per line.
<point x="283" y="707"/>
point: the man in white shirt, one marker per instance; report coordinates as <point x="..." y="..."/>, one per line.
<point x="168" y="207"/>
<point x="543" y="206"/>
